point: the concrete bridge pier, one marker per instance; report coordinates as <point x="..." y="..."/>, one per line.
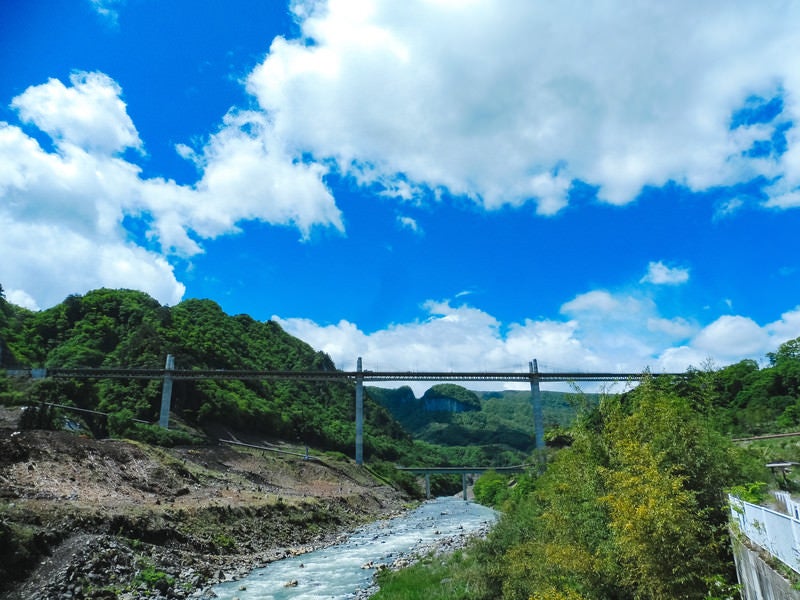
<point x="166" y="393"/>
<point x="359" y="414"/>
<point x="536" y="402"/>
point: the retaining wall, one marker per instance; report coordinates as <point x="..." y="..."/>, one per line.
<point x="760" y="581"/>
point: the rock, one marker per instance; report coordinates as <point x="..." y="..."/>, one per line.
<point x="292" y="583"/>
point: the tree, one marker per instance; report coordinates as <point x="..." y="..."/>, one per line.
<point x="634" y="508"/>
<point x="789" y="350"/>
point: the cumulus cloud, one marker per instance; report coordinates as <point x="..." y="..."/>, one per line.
<point x="660" y="274"/>
<point x="451" y="338"/>
<point x="90" y="114"/>
<point x="51" y="262"/>
<point x="513" y="102"/>
<point x="410" y="224"/>
<point x="62" y="210"/>
<point x="466" y="338"/>
<point x="107" y="9"/>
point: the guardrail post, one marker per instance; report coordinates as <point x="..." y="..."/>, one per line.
<point x="359" y="414"/>
<point x="166" y="392"/>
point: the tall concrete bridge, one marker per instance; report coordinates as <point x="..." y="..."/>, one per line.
<point x="169" y="374"/>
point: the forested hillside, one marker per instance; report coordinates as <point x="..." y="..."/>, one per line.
<point x="127" y="328"/>
<point x="499" y="424"/>
<point x="747" y="399"/>
<point x="633" y="508"/>
<point x="468" y="437"/>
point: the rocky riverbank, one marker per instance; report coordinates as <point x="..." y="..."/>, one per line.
<point x="83" y="518"/>
<point x="444" y="545"/>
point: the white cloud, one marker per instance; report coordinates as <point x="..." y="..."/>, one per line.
<point x="504" y="103"/>
<point x="409" y="223"/>
<point x="732" y="335"/>
<point x="451" y="338"/>
<point x="21" y="298"/>
<point x="49" y="262"/>
<point x="465" y="338"/>
<point x="602" y="302"/>
<point x="789" y="199"/>
<point x="248" y="174"/>
<point x="107" y="9"/>
<point x="677" y="328"/>
<point x="90" y="114"/>
<point x="660" y="274"/>
<point x="728" y="208"/>
<point x="64" y="208"/>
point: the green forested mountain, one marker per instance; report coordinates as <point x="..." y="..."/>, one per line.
<point x="112" y="328"/>
<point x="496" y="421"/>
<point x="470" y="437"/>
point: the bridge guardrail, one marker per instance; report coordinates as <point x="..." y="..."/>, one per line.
<point x="775" y="532"/>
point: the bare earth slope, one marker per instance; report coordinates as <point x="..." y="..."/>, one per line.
<point x="84" y="518"/>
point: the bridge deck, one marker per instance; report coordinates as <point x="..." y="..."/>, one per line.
<point x="462" y="470"/>
<point x="366" y="376"/>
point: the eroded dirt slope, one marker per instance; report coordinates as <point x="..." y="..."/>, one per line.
<point x="85" y="518"/>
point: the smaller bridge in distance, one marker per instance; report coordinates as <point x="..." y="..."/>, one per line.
<point x="463" y="471"/>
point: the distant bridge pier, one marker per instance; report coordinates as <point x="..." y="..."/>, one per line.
<point x="359" y="414"/>
<point x="463" y="471"/>
<point x="166" y="393"/>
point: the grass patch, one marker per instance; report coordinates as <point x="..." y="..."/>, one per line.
<point x="448" y="577"/>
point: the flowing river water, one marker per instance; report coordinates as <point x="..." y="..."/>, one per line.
<point x="343" y="570"/>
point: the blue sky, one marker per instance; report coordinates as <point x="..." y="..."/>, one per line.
<point x="427" y="184"/>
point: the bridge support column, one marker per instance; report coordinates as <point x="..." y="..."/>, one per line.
<point x="359" y="414"/>
<point x="166" y="393"/>
<point x="536" y="402"/>
<point x="464" y="485"/>
<point x="427" y="486"/>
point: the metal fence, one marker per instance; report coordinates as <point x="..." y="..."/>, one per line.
<point x="787" y="504"/>
<point x="776" y="533"/>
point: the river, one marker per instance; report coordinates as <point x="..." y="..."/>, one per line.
<point x="341" y="571"/>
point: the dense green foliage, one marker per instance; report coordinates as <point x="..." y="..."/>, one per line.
<point x="558" y="408"/>
<point x="633" y="508"/>
<point x="466" y="400"/>
<point x="111" y="328"/>
<point x="470" y="438"/>
<point x="745" y="399"/>
<point x="497" y="432"/>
